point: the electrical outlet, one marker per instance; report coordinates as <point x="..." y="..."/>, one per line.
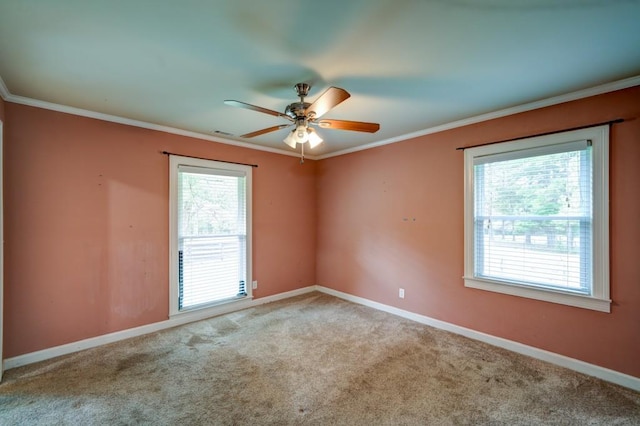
<point x="401" y="293"/>
<point x="254" y="284"/>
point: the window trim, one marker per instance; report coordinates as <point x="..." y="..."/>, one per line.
<point x="175" y="161"/>
<point x="599" y="299"/>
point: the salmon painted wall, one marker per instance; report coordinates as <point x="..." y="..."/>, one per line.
<point x="367" y="248"/>
<point x="86" y="219"/>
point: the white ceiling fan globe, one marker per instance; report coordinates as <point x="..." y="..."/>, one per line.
<point x="301" y="135"/>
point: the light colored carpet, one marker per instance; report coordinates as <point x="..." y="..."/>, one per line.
<point x="312" y="359"/>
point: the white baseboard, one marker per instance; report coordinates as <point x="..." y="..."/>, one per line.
<point x="93" y="342"/>
<point x="612" y="376"/>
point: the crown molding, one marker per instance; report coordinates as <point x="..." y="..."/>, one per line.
<point x="580" y="94"/>
<point x="4" y="92"/>
<point x="22" y="100"/>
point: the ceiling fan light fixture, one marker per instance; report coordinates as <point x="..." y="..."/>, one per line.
<point x="314" y="138"/>
<point x="291" y="139"/>
<point x="301" y="134"/>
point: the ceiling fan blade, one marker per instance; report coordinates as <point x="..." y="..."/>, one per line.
<point x="263" y="131"/>
<point x="329" y="99"/>
<point x="244" y="105"/>
<point x="356" y="126"/>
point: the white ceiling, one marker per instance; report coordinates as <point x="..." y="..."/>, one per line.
<point x="409" y="65"/>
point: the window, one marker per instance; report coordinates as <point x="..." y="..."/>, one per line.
<point x="536" y="218"/>
<point x="210" y="233"/>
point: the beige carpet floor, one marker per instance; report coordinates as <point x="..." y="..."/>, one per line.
<point x="312" y="359"/>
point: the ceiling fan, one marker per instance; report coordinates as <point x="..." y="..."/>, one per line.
<point x="302" y="115"/>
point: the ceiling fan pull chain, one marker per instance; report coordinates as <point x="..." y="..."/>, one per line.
<point x="301" y="153"/>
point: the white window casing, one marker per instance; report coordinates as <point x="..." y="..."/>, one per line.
<point x="512" y="266"/>
<point x="218" y="237"/>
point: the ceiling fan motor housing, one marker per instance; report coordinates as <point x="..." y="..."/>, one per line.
<point x="297" y="109"/>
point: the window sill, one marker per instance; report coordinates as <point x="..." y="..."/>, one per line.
<point x="553" y="296"/>
<point x="208" y="311"/>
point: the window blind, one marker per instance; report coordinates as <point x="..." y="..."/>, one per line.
<point x="533" y="217"/>
<point x="212" y="235"/>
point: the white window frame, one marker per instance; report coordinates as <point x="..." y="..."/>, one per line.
<point x="599" y="298"/>
<point x="175" y="162"/>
